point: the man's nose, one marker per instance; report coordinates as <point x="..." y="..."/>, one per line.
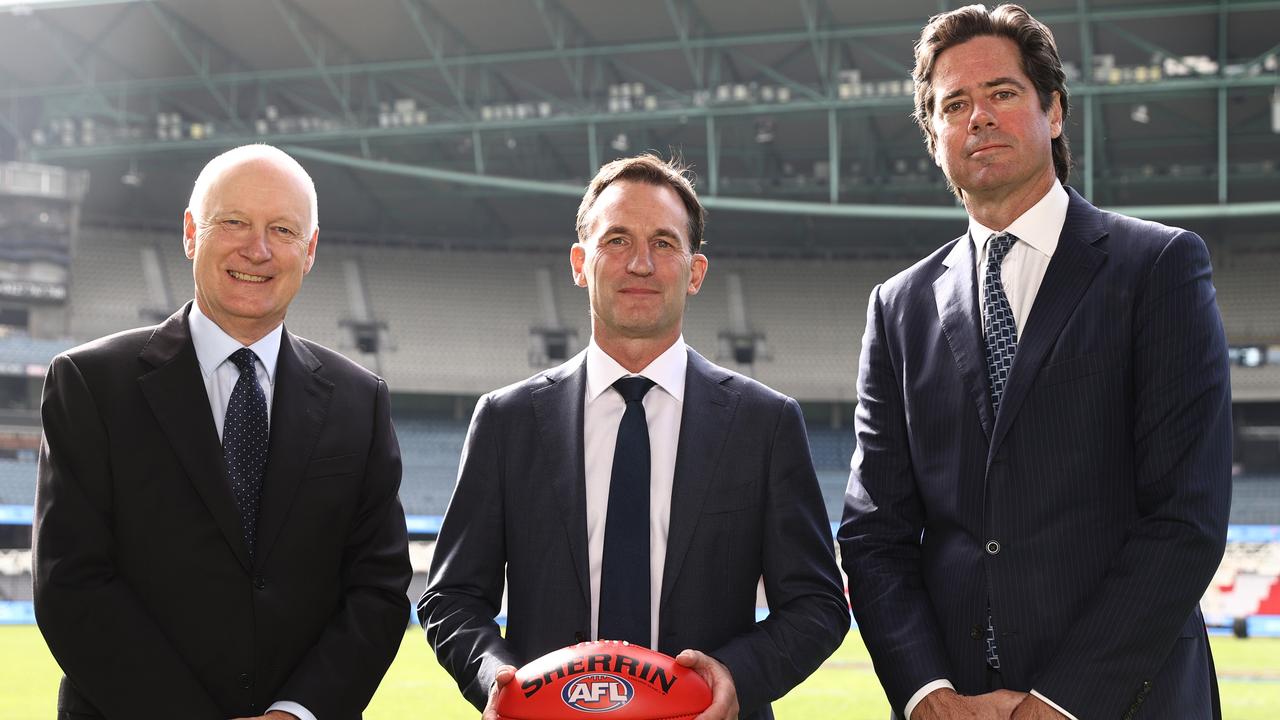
<point x="258" y="247"/>
<point x="982" y="117"/>
<point x="641" y="262"/>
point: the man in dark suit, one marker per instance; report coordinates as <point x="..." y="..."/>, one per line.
<point x="217" y="529"/>
<point x="1040" y="490"/>
<point x="638" y="492"/>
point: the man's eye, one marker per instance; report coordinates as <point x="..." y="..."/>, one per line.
<point x="952" y="107"/>
<point x="1004" y="94"/>
<point x="281" y="230"/>
<point x="614" y="241"/>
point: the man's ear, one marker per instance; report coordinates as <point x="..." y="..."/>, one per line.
<point x="578" y="264"/>
<point x="1055" y="115"/>
<point x="189" y="234"/>
<point x="697" y="273"/>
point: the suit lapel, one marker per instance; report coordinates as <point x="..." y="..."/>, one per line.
<point x="1070" y="272"/>
<point x="299" y="406"/>
<point x="705" y="420"/>
<point x="956" y="295"/>
<point x="175" y="391"/>
<point x="558" y="413"/>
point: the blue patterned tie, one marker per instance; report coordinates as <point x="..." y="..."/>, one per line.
<point x="244" y="442"/>
<point x="998" y="328"/>
<point x="1001" y="336"/>
<point x="624" y="572"/>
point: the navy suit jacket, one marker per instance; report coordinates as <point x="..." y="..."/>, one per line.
<point x="144" y="588"/>
<point x="745" y="503"/>
<point x="1091" y="513"/>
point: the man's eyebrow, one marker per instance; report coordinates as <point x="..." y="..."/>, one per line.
<point x="988" y="84"/>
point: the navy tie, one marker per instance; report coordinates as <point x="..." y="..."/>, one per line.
<point x="624" y="574"/>
<point x="244" y="442"/>
<point x="1001" y="336"/>
<point x="998" y="327"/>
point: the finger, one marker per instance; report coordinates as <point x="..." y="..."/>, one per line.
<point x="505" y="674"/>
<point x="689" y="658"/>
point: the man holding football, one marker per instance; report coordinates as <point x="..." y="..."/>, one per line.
<point x="638" y="492"/>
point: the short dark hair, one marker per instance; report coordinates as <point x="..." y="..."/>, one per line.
<point x="1035" y="43"/>
<point x="651" y="169"/>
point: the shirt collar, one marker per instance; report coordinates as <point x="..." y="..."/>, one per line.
<point x="667" y="370"/>
<point x="1038" y="227"/>
<point x="214" y="345"/>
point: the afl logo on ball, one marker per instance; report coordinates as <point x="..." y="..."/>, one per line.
<point x="597" y="693"/>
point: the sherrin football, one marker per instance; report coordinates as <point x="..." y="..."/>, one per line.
<point x="608" y="679"/>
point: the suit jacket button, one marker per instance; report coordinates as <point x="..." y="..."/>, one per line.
<point x="245" y="680"/>
<point x="993" y="547"/>
<point x="260" y="582"/>
<point x="975" y="632"/>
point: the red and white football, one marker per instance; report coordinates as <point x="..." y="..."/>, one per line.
<point x="605" y="678"/>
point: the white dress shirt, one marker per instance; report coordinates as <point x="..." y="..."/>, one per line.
<point x="213" y="350"/>
<point x="602" y="414"/>
<point x="1023" y="270"/>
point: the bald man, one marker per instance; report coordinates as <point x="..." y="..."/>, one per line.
<point x="217" y="529"/>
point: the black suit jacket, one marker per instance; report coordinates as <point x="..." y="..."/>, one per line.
<point x="745" y="503"/>
<point x="144" y="589"/>
<point x="1091" y="512"/>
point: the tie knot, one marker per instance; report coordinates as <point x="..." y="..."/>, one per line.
<point x="1000" y="245"/>
<point x="633" y="389"/>
<point x="243" y="360"/>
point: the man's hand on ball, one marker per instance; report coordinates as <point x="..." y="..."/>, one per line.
<point x="505" y="674"/>
<point x="724" y="695"/>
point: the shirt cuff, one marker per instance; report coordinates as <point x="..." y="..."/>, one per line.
<point x="301" y="712"/>
<point x="935" y="685"/>
<point x="1054" y="705"/>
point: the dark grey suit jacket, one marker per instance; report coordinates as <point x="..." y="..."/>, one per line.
<point x="144" y="589"/>
<point x="745" y="503"/>
<point x="1091" y="512"/>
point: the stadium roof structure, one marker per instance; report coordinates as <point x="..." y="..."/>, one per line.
<point x="465" y="122"/>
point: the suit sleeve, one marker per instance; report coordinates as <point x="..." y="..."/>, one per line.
<point x="468" y="569"/>
<point x="342" y="670"/>
<point x="808" y="613"/>
<point x="85" y="610"/>
<point x="880" y="532"/>
<point x="1182" y="442"/>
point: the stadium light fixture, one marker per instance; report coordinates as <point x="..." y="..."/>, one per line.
<point x="132" y="177"/>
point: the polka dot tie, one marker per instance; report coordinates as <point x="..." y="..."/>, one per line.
<point x="244" y="442"/>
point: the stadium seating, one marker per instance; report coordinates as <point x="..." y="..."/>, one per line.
<point x="462" y="321"/>
<point x="17" y="482"/>
<point x="1246" y="583"/>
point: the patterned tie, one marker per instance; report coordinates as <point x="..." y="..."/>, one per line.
<point x="244" y="442"/>
<point x="1001" y="335"/>
<point x="998" y="328"/>
<point x="624" y="573"/>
